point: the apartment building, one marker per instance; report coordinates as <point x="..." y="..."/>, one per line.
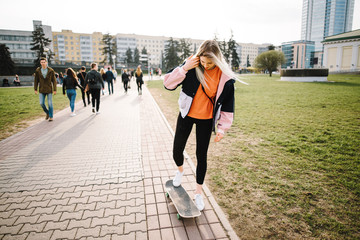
<point x="77" y="47"/>
<point x="250" y="50"/>
<point x="19" y="42"/>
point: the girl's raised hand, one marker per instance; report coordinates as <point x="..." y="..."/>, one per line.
<point x="191" y="62"/>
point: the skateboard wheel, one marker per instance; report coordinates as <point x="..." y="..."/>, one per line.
<point x="167" y="195"/>
<point x="178" y="216"/>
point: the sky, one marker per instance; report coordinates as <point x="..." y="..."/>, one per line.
<point x="250" y="21"/>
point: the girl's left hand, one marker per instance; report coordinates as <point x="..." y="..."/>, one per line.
<point x="218" y="137"/>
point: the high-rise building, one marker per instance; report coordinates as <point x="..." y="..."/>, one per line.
<point x="298" y="54"/>
<point x="322" y="18"/>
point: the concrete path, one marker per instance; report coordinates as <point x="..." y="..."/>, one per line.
<point x="99" y="177"/>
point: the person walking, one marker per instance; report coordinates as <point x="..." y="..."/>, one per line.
<point x="125" y="79"/>
<point x="109" y="78"/>
<point x="103" y="75"/>
<point x="81" y="76"/>
<point x="206" y="99"/>
<point x="46" y="82"/>
<point x="70" y="83"/>
<point x="95" y="82"/>
<point x="139" y="79"/>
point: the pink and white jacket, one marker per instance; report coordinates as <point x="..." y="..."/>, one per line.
<point x="223" y="112"/>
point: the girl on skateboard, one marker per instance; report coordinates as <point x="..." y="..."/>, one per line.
<point x="206" y="99"/>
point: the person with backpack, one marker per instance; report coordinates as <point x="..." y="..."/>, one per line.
<point x="81" y="76"/>
<point x="139" y="79"/>
<point x="70" y="83"/>
<point x="95" y="83"/>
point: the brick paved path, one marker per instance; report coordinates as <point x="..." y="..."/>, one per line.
<point x="98" y="177"/>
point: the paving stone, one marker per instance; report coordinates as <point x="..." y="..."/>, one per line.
<point x="37" y="235"/>
<point x="56" y="225"/>
<point x="206" y="232"/>
<point x="133" y="227"/>
<point x="38" y="227"/>
<point x="114" y="229"/>
<point x="63" y="234"/>
<point x="109" y="221"/>
<point x="14" y="237"/>
<point x="167" y="234"/>
<point x="154" y="235"/>
<point x="218" y="230"/>
<point x="180" y="233"/>
<point x="89" y="232"/>
<point x="10" y="229"/>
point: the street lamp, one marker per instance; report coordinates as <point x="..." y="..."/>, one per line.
<point x="114" y="57"/>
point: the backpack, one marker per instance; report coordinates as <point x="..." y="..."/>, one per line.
<point x="92" y="79"/>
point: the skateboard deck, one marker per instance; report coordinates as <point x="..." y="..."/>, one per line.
<point x="184" y="205"/>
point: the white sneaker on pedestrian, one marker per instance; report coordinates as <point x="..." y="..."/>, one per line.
<point x="199" y="202"/>
<point x="177" y="178"/>
<point x="98" y="112"/>
<point x="73" y="114"/>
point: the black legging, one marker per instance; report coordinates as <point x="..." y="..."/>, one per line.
<point x="83" y="96"/>
<point x="203" y="134"/>
<point x="95" y="96"/>
<point x="126" y="85"/>
<point x="139" y="85"/>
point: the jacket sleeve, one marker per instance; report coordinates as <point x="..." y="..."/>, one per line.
<point x="53" y="80"/>
<point x="227" y="110"/>
<point x="36" y="81"/>
<point x="173" y="78"/>
<point x="64" y="85"/>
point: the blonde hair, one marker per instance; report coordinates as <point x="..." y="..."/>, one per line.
<point x="138" y="71"/>
<point x="102" y="71"/>
<point x="211" y="49"/>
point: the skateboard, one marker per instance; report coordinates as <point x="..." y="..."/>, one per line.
<point x="184" y="205"/>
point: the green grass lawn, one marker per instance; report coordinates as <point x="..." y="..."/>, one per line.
<point x="21" y="104"/>
<point x="290" y="166"/>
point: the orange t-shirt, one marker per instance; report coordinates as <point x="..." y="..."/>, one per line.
<point x="202" y="107"/>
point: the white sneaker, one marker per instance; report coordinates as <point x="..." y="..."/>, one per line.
<point x="199" y="202"/>
<point x="98" y="112"/>
<point x="177" y="178"/>
<point x="73" y="114"/>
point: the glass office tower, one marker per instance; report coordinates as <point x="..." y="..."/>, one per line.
<point x="323" y="18"/>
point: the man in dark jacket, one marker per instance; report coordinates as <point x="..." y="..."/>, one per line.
<point x="46" y="81"/>
<point x="96" y="83"/>
<point x="109" y="78"/>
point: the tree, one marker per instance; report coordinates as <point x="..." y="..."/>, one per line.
<point x="184" y="49"/>
<point x="7" y="65"/>
<point x="269" y="60"/>
<point x="232" y="47"/>
<point x="129" y="56"/>
<point x="271" y="47"/>
<point x="136" y="56"/>
<point x="171" y="50"/>
<point x="40" y="43"/>
<point x="109" y="50"/>
<point x="144" y="51"/>
<point x="248" y="61"/>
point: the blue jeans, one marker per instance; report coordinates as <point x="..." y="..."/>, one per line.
<point x="49" y="111"/>
<point x="110" y="83"/>
<point x="71" y="94"/>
